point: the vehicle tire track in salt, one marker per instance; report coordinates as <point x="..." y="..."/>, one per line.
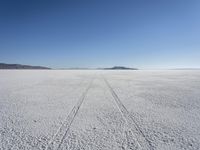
<point x="56" y="141"/>
<point x="142" y="141"/>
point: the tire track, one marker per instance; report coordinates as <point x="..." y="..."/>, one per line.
<point x="142" y="141"/>
<point x="56" y="141"/>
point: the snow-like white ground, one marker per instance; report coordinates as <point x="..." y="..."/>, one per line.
<point x="99" y="110"/>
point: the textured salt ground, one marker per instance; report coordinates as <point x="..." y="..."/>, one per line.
<point x="33" y="105"/>
<point x="99" y="124"/>
<point x="166" y="105"/>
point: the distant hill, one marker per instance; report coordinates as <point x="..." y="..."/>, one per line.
<point x="120" y="68"/>
<point x="19" y="66"/>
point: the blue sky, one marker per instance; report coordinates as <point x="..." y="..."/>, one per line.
<point x="101" y="33"/>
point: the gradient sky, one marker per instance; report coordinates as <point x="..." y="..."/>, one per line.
<point x="101" y="33"/>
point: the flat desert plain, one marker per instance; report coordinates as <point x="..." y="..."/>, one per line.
<point x="99" y="110"/>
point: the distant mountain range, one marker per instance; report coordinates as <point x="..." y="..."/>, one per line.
<point x="120" y="68"/>
<point x="19" y="66"/>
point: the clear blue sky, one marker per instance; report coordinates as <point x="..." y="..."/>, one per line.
<point x="101" y="33"/>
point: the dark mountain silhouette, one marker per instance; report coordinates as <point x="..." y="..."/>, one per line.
<point x="120" y="68"/>
<point x="19" y="66"/>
